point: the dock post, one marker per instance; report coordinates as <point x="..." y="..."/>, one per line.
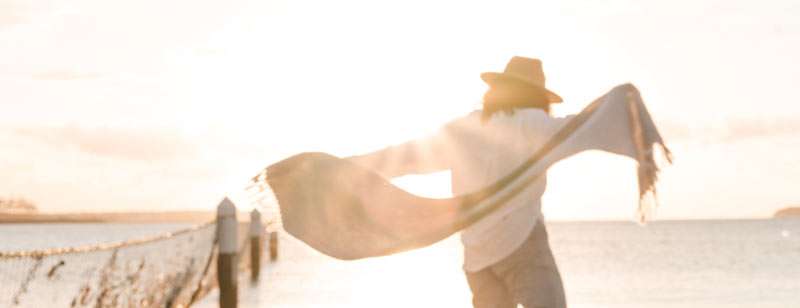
<point x="226" y="261"/>
<point x="256" y="230"/>
<point x="273" y="245"/>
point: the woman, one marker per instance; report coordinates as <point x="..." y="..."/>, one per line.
<point x="507" y="257"/>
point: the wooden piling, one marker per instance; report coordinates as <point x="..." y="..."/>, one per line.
<point x="226" y="261"/>
<point x="273" y="246"/>
<point x="256" y="231"/>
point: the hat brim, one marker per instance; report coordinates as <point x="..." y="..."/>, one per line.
<point x="491" y="77"/>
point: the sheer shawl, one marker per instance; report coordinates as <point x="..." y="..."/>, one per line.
<point x="349" y="212"/>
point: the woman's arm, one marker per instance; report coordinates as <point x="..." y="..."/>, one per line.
<point x="424" y="155"/>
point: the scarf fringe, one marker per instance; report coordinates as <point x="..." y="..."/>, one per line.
<point x="648" y="177"/>
<point x="645" y="144"/>
<point x="648" y="168"/>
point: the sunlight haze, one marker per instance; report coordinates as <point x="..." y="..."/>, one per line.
<point x="150" y="105"/>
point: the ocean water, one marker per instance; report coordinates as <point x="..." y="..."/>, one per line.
<point x="746" y="263"/>
<point x="716" y="263"/>
<point x="42" y="236"/>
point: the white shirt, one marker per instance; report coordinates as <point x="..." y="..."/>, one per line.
<point x="485" y="153"/>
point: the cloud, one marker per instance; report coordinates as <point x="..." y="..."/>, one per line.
<point x="78" y="168"/>
<point x="745" y="128"/>
<point x="65" y="75"/>
<point x="15" y="12"/>
<point x="734" y="129"/>
<point x="11" y="14"/>
<point x="120" y="143"/>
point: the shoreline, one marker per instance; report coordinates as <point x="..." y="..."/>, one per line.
<point x="198" y="216"/>
<point x="111" y="217"/>
<point x="788" y="212"/>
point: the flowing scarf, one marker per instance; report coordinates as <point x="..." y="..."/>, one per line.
<point x="349" y="212"/>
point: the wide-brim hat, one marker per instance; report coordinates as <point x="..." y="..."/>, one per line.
<point x="526" y="70"/>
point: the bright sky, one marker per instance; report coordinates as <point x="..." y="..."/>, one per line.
<point x="143" y="105"/>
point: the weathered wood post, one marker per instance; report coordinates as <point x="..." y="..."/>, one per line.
<point x="273" y="245"/>
<point x="256" y="230"/>
<point x="226" y="261"/>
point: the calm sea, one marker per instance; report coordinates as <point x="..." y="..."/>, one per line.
<point x="39" y="236"/>
<point x="722" y="263"/>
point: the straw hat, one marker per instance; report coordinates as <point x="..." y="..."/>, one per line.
<point x="526" y="70"/>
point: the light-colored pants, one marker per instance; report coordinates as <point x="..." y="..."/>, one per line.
<point x="529" y="276"/>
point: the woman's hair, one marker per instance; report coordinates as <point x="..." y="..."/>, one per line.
<point x="507" y="96"/>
